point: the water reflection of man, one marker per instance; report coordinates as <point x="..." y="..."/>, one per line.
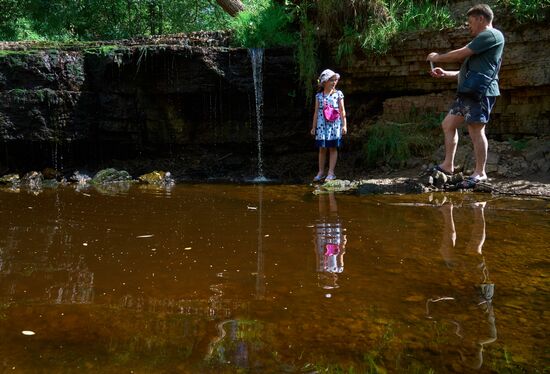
<point x="471" y="313"/>
<point x="330" y="242"/>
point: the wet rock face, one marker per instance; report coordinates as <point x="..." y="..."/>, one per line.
<point x="118" y="102"/>
<point x="41" y="96"/>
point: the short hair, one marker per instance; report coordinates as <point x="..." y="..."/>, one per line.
<point x="483" y="10"/>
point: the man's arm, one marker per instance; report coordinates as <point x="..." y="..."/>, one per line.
<point x="457" y="55"/>
<point x="440" y="73"/>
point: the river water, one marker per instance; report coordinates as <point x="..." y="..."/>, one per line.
<point x="214" y="278"/>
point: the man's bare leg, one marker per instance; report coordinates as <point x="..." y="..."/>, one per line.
<point x="450" y="125"/>
<point x="479" y="141"/>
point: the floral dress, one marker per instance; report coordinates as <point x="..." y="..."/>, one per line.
<point x="327" y="133"/>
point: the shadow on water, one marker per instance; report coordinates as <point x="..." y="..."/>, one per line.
<point x="270" y="278"/>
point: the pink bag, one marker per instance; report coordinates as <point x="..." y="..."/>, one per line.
<point x="331" y="113"/>
<point x="332" y="249"/>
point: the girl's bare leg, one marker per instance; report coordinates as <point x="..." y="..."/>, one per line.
<point x="322" y="160"/>
<point x="332" y="160"/>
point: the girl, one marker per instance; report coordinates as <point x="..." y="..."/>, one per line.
<point x="328" y="127"/>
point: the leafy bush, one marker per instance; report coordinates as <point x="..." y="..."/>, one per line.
<point x="62" y="20"/>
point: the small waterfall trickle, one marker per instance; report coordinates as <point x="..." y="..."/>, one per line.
<point x="257" y="57"/>
<point x="57" y="157"/>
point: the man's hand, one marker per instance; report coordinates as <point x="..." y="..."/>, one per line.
<point x="438" y="73"/>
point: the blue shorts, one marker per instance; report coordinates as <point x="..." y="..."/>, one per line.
<point x="473" y="111"/>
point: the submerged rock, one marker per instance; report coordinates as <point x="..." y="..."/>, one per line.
<point x="113" y="188"/>
<point x="373" y="186"/>
<point x="337" y="185"/>
<point x="391" y="186"/>
<point x="111" y="176"/>
<point x="50" y="183"/>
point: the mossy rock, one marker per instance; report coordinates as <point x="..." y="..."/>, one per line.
<point x="159" y="178"/>
<point x="10" y="179"/>
<point x="337" y="185"/>
<point x="111" y="176"/>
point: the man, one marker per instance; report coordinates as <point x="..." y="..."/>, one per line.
<point x="483" y="54"/>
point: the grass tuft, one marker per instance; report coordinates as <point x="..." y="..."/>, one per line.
<point x="394" y="143"/>
<point x="404" y="16"/>
<point x="525" y="11"/>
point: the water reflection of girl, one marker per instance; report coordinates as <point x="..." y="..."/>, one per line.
<point x="330" y="242"/>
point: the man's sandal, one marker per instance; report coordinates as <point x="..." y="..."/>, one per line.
<point x="471" y="182"/>
<point x="440" y="169"/>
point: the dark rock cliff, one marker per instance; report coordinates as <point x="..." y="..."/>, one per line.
<point x="159" y="100"/>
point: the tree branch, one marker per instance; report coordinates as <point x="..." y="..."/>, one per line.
<point x="232" y="7"/>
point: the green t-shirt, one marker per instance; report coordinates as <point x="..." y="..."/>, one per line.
<point x="487" y="47"/>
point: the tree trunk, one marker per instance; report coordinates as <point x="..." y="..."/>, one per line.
<point x="231" y="6"/>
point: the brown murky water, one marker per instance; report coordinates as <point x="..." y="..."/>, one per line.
<point x="270" y="279"/>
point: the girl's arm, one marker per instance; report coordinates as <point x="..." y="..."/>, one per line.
<point x="343" y="115"/>
<point x="314" y="125"/>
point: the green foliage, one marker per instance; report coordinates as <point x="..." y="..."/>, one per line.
<point x="373" y="24"/>
<point x="306" y="53"/>
<point x="527" y="10"/>
<point x="377" y="39"/>
<point x="420" y="15"/>
<point x="63" y="20"/>
<point x="264" y="25"/>
<point x="394" y="143"/>
<point x="346" y="45"/>
<point x="518" y="145"/>
<point x="404" y="16"/>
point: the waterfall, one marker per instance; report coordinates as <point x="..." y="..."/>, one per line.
<point x="257" y="57"/>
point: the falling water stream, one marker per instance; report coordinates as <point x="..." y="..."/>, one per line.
<point x="257" y="57"/>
